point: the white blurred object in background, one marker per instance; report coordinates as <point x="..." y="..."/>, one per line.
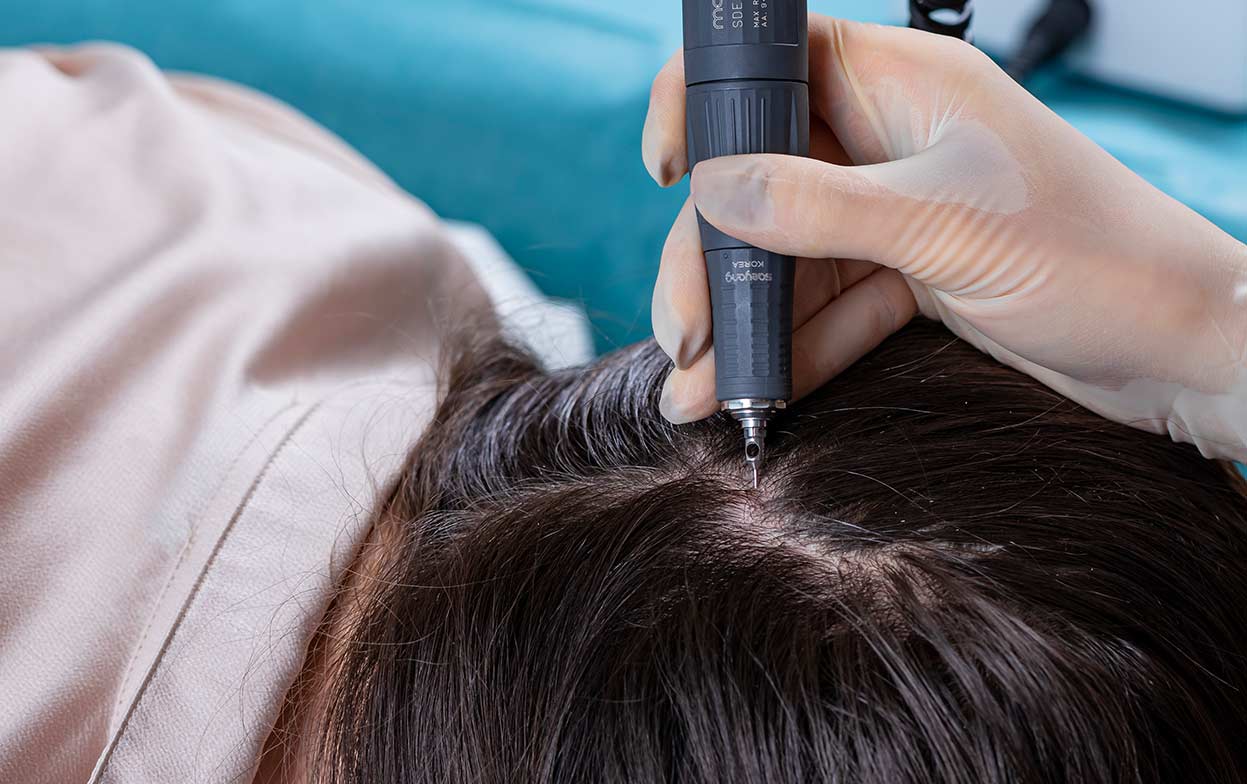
<point x="557" y="331"/>
<point x="1189" y="50"/>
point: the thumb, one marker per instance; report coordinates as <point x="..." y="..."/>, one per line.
<point x="805" y="207"/>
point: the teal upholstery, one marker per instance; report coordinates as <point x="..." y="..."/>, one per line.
<point x="525" y="115"/>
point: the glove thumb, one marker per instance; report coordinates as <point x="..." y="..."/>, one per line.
<point x="804" y="207"/>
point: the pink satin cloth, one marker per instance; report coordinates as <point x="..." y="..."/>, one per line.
<point x="219" y="329"/>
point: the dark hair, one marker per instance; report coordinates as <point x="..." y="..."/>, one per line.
<point x="949" y="574"/>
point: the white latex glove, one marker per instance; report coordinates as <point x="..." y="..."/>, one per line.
<point x="978" y="207"/>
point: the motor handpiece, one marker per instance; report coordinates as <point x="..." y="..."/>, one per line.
<point x="746" y="67"/>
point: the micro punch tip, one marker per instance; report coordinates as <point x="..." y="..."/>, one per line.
<point x="753" y="416"/>
<point x="753" y="457"/>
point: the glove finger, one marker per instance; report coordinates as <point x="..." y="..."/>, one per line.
<point x="819" y="281"/>
<point x="663" y="141"/>
<point x="803" y="207"/>
<point x="681" y="303"/>
<point x="688" y="395"/>
<point x="849" y="328"/>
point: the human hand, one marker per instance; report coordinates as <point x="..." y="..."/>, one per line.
<point x="974" y="205"/>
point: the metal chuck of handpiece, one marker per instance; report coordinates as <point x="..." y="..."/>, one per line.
<point x="754" y="416"/>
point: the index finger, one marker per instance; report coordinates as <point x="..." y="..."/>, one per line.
<point x="663" y="143"/>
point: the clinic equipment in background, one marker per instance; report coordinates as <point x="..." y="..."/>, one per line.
<point x="1193" y="51"/>
<point x="746" y="66"/>
<point x="1053" y="30"/>
<point x="1057" y="27"/>
<point x="943" y="17"/>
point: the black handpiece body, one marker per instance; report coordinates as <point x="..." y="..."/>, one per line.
<point x="746" y="65"/>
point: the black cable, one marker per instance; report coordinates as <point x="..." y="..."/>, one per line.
<point x="1061" y="24"/>
<point x="928" y="15"/>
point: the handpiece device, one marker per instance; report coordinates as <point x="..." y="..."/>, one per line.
<point x="746" y="67"/>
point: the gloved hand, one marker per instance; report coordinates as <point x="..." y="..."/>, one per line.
<point x="977" y="206"/>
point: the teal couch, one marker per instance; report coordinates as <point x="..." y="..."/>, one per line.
<point x="525" y="115"/>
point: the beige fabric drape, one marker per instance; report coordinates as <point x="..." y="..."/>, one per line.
<point x="218" y="335"/>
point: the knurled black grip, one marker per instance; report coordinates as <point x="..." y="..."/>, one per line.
<point x="751" y="296"/>
<point x="751" y="289"/>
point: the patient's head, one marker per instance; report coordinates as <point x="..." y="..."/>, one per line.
<point x="948" y="574"/>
